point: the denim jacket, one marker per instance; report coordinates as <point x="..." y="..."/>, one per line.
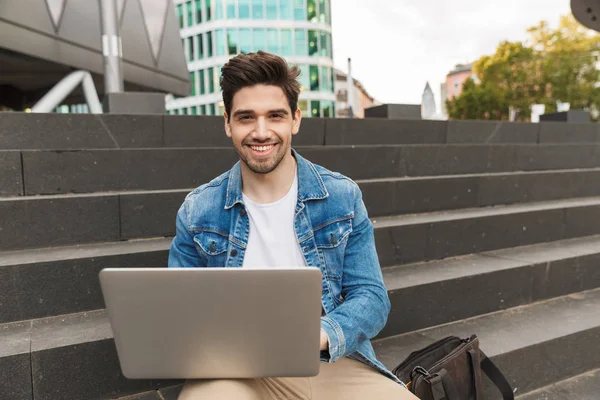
<point x="334" y="234"/>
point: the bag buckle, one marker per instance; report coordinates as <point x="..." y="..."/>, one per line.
<point x="421" y="371"/>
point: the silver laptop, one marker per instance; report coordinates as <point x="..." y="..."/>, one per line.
<point x="172" y="323"/>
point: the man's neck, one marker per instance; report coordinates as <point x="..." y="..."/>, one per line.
<point x="268" y="188"/>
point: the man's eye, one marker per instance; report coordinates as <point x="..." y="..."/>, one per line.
<point x="245" y="118"/>
<point x="276" y="116"/>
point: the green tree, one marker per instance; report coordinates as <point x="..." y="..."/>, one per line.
<point x="551" y="65"/>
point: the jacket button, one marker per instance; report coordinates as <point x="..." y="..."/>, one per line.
<point x="213" y="247"/>
<point x="233" y="253"/>
<point x="334" y="240"/>
<point x="243" y="212"/>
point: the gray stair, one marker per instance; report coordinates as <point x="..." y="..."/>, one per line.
<point x="533" y="345"/>
<point x="79" y="131"/>
<point x="481" y="227"/>
<point x="57" y="220"/>
<point x="37" y="172"/>
<point x="581" y="387"/>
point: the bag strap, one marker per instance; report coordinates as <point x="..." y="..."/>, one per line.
<point x="496" y="377"/>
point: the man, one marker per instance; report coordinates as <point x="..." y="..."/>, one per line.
<point x="275" y="208"/>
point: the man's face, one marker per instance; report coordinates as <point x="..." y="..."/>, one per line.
<point x="261" y="127"/>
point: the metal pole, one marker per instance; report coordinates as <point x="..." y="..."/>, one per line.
<point x="111" y="47"/>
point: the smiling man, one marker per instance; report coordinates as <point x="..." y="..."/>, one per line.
<point x="275" y="208"/>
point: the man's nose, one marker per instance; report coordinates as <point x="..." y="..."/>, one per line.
<point x="262" y="131"/>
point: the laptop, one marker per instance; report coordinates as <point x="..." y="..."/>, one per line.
<point x="209" y="323"/>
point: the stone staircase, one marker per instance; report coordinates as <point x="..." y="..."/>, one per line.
<point x="481" y="227"/>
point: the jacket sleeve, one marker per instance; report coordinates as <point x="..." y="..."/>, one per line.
<point x="366" y="305"/>
<point x="183" y="253"/>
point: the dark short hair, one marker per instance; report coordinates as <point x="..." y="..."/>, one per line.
<point x="260" y="68"/>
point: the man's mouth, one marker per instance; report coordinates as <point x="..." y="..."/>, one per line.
<point x="262" y="148"/>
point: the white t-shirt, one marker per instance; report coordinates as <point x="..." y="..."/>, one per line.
<point x="272" y="240"/>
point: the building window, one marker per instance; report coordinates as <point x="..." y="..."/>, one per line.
<point x="245" y="41"/>
<point x="211" y="80"/>
<point x="175" y="112"/>
<point x="314" y="78"/>
<point x="198" y="11"/>
<point x="231" y="14"/>
<point x="328" y="11"/>
<point x="287" y="46"/>
<point x="260" y="42"/>
<point x="193" y="82"/>
<point x="299" y="10"/>
<point x="232" y="41"/>
<point x="303" y="106"/>
<point x="285" y="9"/>
<point x="311" y="10"/>
<point x="301" y="43"/>
<point x="244" y="9"/>
<point x="332" y="80"/>
<point x="329" y="46"/>
<point x="184" y="111"/>
<point x="202" y="84"/>
<point x="209" y="44"/>
<point x="220" y="42"/>
<point x="258" y="11"/>
<point x="304" y="78"/>
<point x="190" y="13"/>
<point x="218" y="9"/>
<point x="194" y="110"/>
<point x="200" y="46"/>
<point x="313" y="43"/>
<point x="315" y="109"/>
<point x="324" y="51"/>
<point x="322" y="12"/>
<point x="191" y="52"/>
<point x="327" y="107"/>
<point x="208" y="11"/>
<point x="271" y="9"/>
<point x="180" y="15"/>
<point x="325" y="79"/>
<point x="203" y="109"/>
<point x="273" y="41"/>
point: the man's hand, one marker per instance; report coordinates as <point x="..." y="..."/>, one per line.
<point x="324" y="341"/>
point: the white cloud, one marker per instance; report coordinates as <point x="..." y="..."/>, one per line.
<point x="397" y="46"/>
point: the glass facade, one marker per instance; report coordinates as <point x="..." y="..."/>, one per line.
<point x="235" y="30"/>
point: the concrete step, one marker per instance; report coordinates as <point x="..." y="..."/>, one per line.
<point x="421" y="237"/>
<point x="45" y="221"/>
<point x="73" y="356"/>
<point x="168" y="393"/>
<point x="84" y="171"/>
<point x="41" y="283"/>
<point x="80" y="131"/>
<point x="534" y="345"/>
<point x="70" y="357"/>
<point x="581" y="387"/>
<point x="443" y="291"/>
<point x="36" y="221"/>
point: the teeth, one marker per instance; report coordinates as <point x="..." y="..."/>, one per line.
<point x="261" y="148"/>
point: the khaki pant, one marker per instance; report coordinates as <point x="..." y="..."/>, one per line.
<point x="346" y="379"/>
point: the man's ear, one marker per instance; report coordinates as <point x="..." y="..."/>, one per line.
<point x="297" y="121"/>
<point x="227" y="127"/>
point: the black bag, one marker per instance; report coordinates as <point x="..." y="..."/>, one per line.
<point x="450" y="369"/>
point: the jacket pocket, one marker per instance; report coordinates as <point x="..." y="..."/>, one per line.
<point x="331" y="242"/>
<point x="214" y="248"/>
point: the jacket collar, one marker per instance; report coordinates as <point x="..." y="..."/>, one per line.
<point x="310" y="184"/>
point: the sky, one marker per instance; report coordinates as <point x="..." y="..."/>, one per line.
<point x="397" y="46"/>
